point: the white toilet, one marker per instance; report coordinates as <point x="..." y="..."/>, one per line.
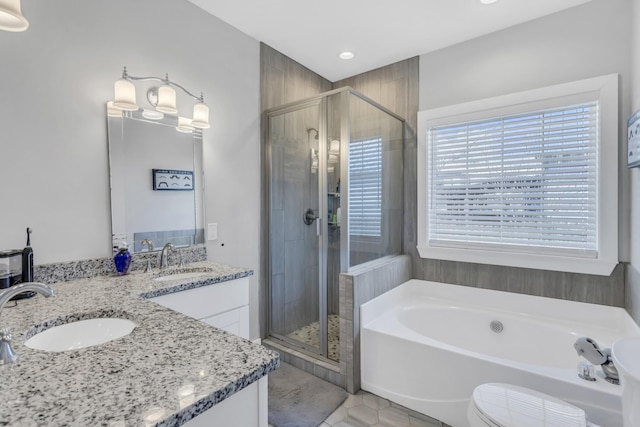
<point x="506" y="405"/>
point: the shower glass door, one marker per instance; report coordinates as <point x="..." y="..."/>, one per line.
<point x="296" y="217"/>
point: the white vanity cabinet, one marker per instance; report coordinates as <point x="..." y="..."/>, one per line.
<point x="224" y="305"/>
<point x="247" y="408"/>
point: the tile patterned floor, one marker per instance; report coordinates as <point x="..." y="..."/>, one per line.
<point x="365" y="409"/>
<point x="310" y="334"/>
<point x="368" y="410"/>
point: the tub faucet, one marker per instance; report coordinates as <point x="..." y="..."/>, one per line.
<point x="164" y="263"/>
<point x="7" y="356"/>
<point x="589" y="349"/>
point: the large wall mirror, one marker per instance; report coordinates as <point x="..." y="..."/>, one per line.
<point x="156" y="182"/>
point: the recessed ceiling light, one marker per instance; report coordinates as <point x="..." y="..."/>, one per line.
<point x="346" y="55"/>
<point x="488" y="1"/>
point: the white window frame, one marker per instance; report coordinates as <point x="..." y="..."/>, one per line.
<point x="604" y="90"/>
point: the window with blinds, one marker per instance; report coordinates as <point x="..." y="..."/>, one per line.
<point x="365" y="187"/>
<point x="526" y="182"/>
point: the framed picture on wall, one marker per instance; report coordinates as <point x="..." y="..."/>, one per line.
<point x="172" y="180"/>
<point x="633" y="140"/>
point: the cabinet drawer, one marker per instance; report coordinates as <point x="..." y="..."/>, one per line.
<point x="208" y="300"/>
<point x="235" y="321"/>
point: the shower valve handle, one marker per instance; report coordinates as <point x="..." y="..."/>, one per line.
<point x="309" y="216"/>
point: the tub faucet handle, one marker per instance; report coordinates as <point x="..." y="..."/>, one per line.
<point x="586" y="371"/>
<point x="589" y="349"/>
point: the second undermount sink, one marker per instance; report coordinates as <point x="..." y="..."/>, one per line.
<point x="81" y="334"/>
<point x="180" y="274"/>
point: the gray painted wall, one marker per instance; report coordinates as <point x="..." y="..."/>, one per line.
<point x="56" y="77"/>
<point x="586" y="41"/>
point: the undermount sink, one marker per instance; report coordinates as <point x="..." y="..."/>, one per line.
<point x="164" y="276"/>
<point x="81" y="334"/>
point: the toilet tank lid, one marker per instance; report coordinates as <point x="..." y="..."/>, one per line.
<point x="509" y="405"/>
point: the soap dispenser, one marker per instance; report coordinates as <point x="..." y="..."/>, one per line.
<point x="122" y="259"/>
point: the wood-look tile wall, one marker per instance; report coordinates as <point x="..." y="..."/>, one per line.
<point x="632" y="293"/>
<point x="360" y="285"/>
<point x="283" y="80"/>
<point x="396" y="87"/>
<point x="294" y="283"/>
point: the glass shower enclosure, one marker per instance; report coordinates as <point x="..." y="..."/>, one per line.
<point x="334" y="168"/>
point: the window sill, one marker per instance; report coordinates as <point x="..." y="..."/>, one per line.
<point x="597" y="266"/>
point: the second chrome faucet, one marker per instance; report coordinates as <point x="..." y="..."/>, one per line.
<point x="164" y="262"/>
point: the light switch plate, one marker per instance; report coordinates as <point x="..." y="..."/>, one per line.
<point x="212" y="231"/>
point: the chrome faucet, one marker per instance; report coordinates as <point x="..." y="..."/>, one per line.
<point x="164" y="263"/>
<point x="7" y="356"/>
<point x="589" y="349"/>
<point x="147" y="242"/>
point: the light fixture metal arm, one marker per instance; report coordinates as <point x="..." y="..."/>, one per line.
<point x="165" y="80"/>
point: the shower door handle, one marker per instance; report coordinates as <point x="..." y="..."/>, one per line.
<point x="318" y="227"/>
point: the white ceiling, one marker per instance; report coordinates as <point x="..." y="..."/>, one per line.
<point x="380" y="32"/>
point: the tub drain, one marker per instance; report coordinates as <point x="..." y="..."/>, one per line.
<point x="496" y="326"/>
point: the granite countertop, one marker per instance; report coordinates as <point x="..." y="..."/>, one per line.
<point x="117" y="383"/>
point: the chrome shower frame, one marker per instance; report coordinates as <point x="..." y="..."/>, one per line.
<point x="320" y="100"/>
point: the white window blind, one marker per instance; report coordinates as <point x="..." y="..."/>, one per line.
<point x="525" y="182"/>
<point x="365" y="187"/>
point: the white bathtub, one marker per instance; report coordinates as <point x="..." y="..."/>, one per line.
<point x="427" y="345"/>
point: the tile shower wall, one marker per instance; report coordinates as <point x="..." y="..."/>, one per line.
<point x="396" y="87"/>
<point x="294" y="247"/>
<point x="282" y="81"/>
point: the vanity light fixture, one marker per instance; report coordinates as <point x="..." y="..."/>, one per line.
<point x="163" y="98"/>
<point x="113" y="111"/>
<point x="152" y="114"/>
<point x="166" y="99"/>
<point x="488" y="1"/>
<point x="185" y="125"/>
<point x="11" y="18"/>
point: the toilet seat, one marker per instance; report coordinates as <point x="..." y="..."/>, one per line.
<point x="506" y="405"/>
